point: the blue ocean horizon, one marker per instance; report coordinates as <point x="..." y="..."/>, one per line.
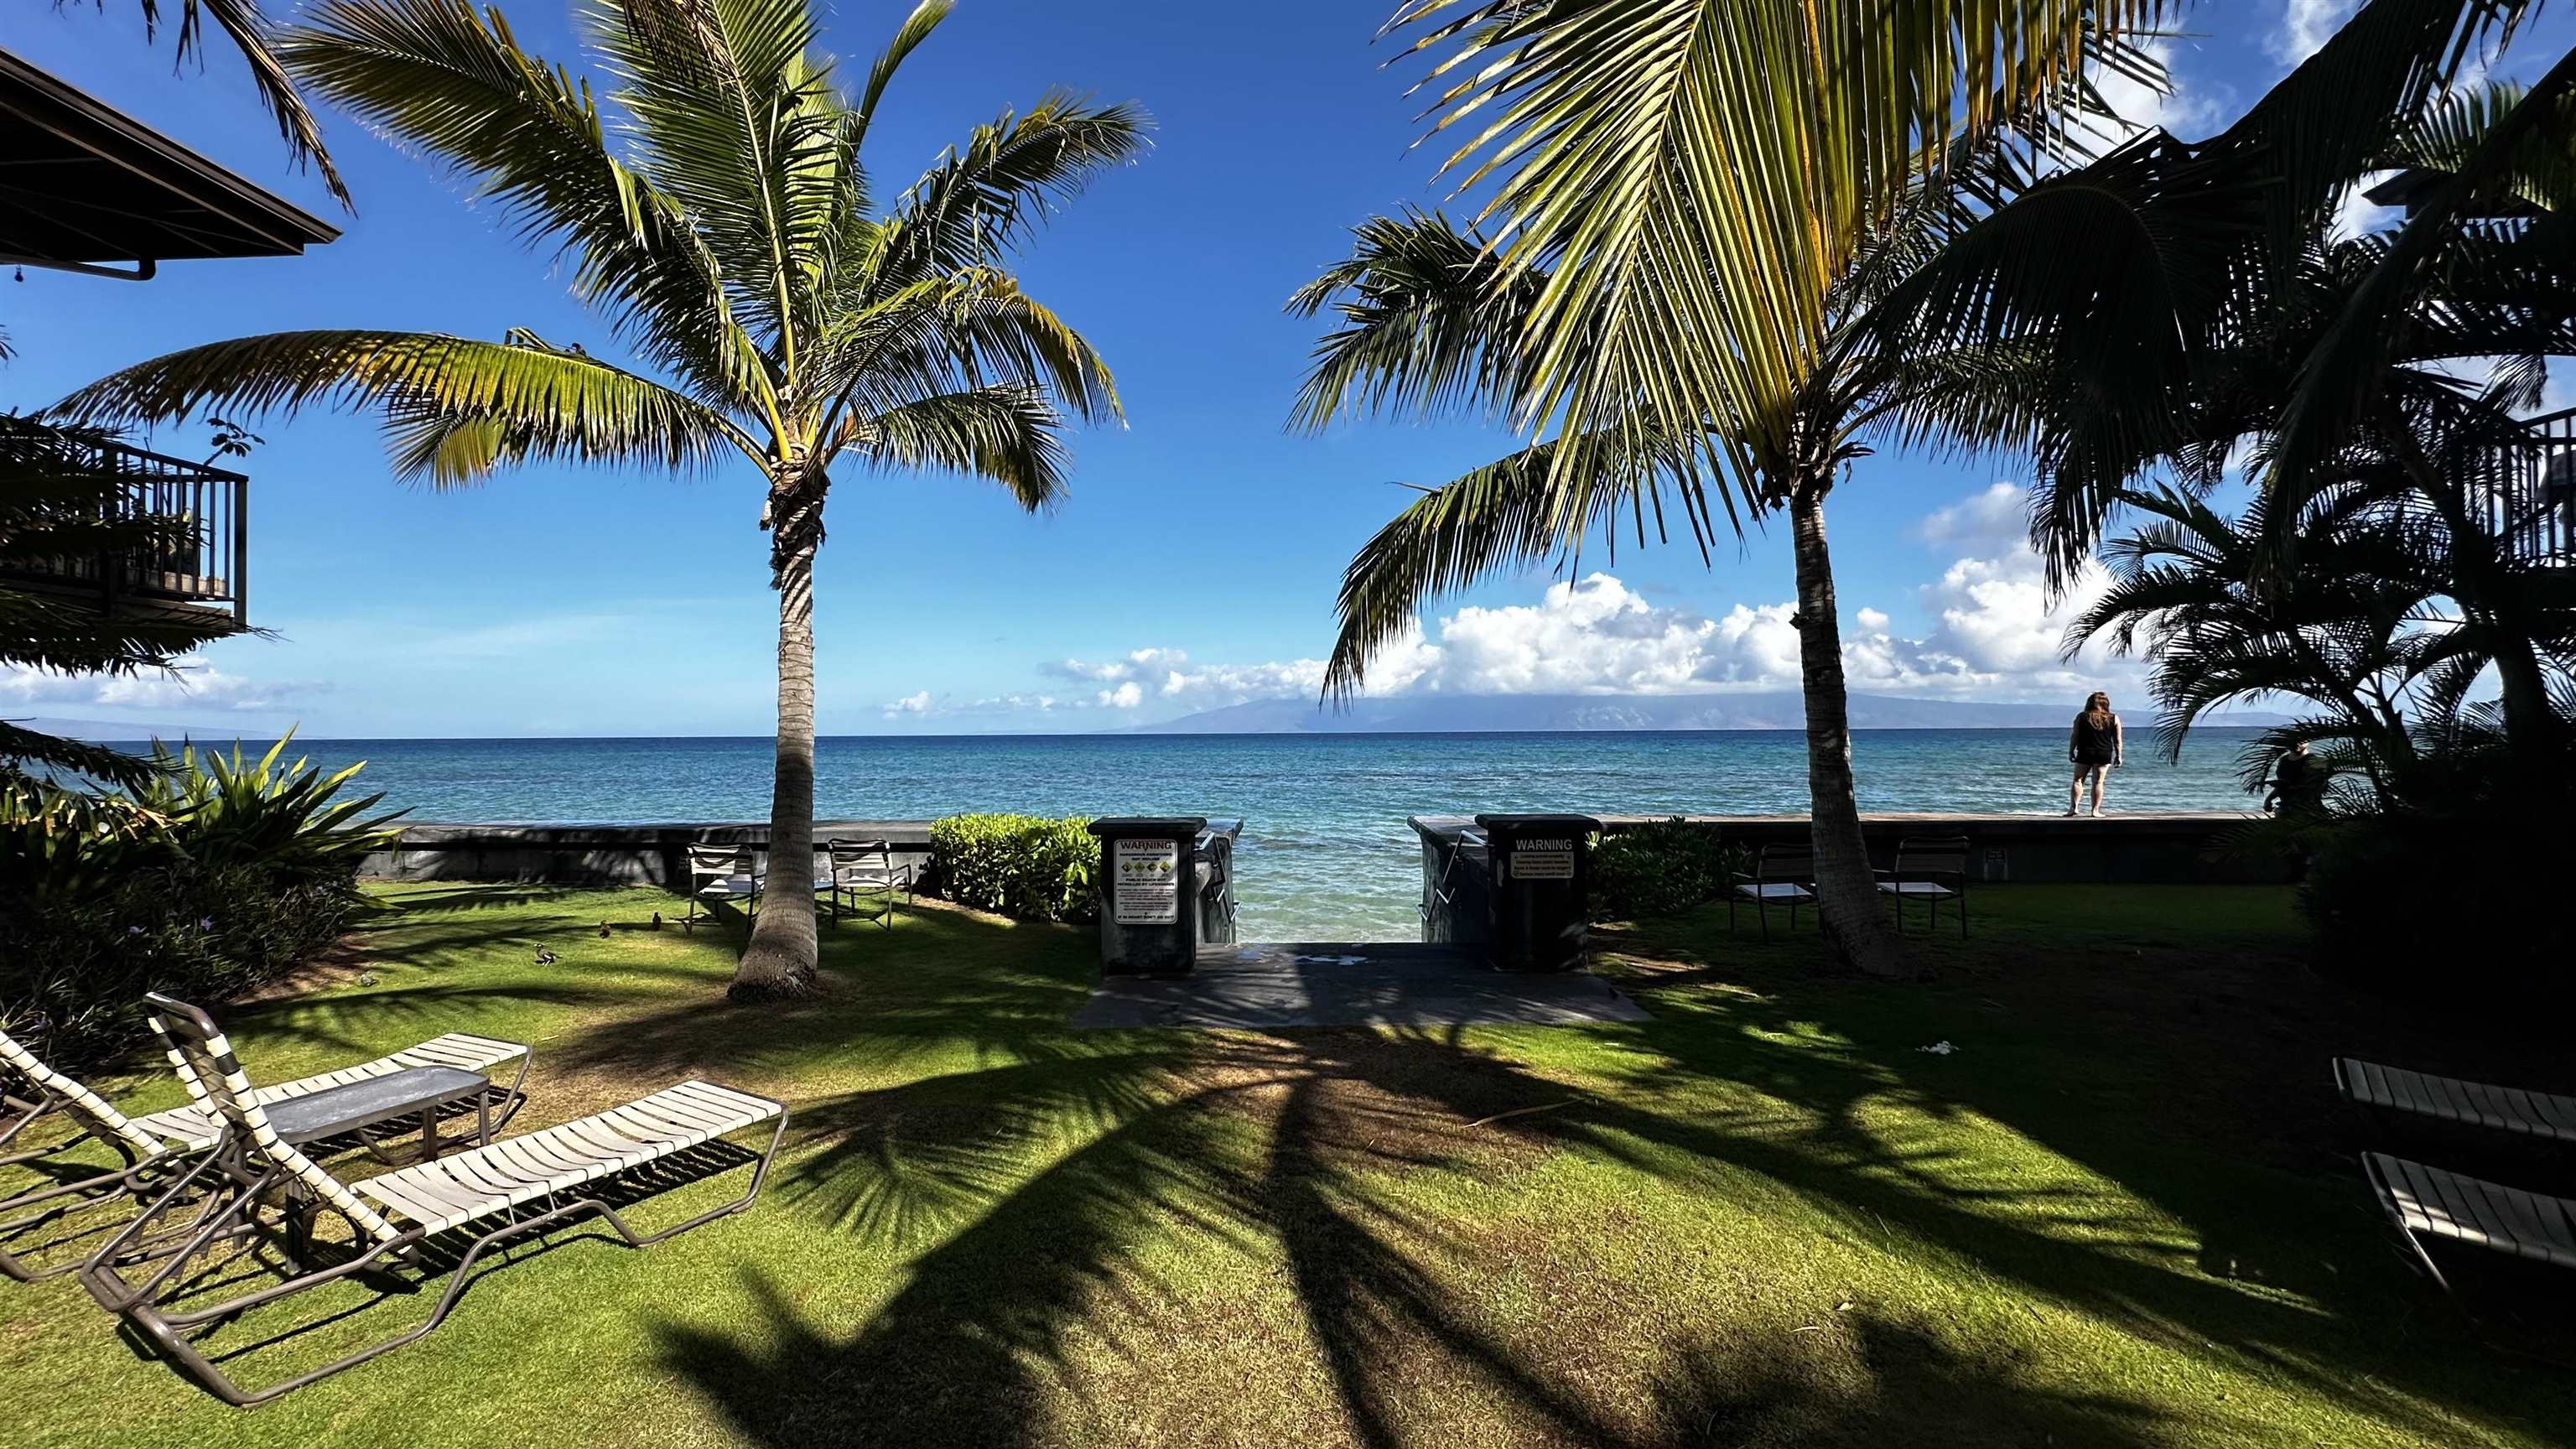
<point x="1326" y="853"/>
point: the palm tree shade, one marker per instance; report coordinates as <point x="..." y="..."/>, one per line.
<point x="1688" y="207"/>
<point x="715" y="210"/>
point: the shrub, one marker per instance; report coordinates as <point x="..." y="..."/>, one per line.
<point x="1027" y="867"/>
<point x="2401" y="897"/>
<point x="1661" y="868"/>
<point x="219" y="875"/>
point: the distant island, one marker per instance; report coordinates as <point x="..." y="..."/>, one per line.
<point x="1773" y="710"/>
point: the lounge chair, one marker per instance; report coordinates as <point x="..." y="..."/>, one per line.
<point x="865" y="872"/>
<point x="2401" y="1095"/>
<point x="1930" y="869"/>
<point x="148" y="1147"/>
<point x="2434" y="1208"/>
<point x="722" y="873"/>
<point x="257" y="1185"/>
<point x="1783" y="874"/>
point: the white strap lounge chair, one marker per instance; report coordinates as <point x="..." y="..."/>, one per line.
<point x="2434" y="1208"/>
<point x="148" y="1147"/>
<point x="255" y="1184"/>
<point x="722" y="873"/>
<point x="2538" y="1116"/>
<point x="1783" y="874"/>
<point x="866" y="879"/>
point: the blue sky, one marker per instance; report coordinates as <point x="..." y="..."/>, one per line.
<point x="1194" y="564"/>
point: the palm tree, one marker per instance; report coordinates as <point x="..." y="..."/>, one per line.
<point x="2185" y="305"/>
<point x="1694" y="206"/>
<point x="2351" y="632"/>
<point x="732" y="239"/>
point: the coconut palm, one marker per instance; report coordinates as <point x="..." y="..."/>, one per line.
<point x="2190" y="304"/>
<point x="730" y="235"/>
<point x="1692" y="205"/>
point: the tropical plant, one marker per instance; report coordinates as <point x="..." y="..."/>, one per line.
<point x="61" y="492"/>
<point x="1662" y="868"/>
<point x="218" y="874"/>
<point x="732" y="238"/>
<point x="1693" y="208"/>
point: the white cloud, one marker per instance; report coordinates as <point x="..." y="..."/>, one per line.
<point x="195" y="686"/>
<point x="910" y="704"/>
<point x="2306" y="25"/>
<point x="1993" y="633"/>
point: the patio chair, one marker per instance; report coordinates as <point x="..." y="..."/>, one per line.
<point x="1930" y="869"/>
<point x="722" y="873"/>
<point x="2435" y="1209"/>
<point x="866" y="868"/>
<point x="149" y="1147"/>
<point x="256" y="1185"/>
<point x="1784" y="873"/>
<point x="2399" y="1096"/>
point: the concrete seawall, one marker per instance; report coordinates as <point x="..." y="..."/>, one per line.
<point x="2129" y="849"/>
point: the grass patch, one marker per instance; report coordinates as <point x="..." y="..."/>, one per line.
<point x="2124" y="1211"/>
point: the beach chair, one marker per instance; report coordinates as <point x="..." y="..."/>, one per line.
<point x="2395" y="1095"/>
<point x="1930" y="869"/>
<point x="149" y="1147"/>
<point x="2438" y="1211"/>
<point x="256" y="1186"/>
<point x="1784" y="873"/>
<point x="866" y="870"/>
<point x="722" y="873"/>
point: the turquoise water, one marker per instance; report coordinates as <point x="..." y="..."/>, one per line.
<point x="1326" y="854"/>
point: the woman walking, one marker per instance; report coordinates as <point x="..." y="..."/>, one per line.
<point x="2093" y="748"/>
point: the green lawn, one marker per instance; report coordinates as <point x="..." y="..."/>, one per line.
<point x="2123" y="1212"/>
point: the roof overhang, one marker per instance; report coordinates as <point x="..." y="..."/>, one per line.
<point x="86" y="187"/>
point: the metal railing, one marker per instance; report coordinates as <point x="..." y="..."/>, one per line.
<point x="2536" y="509"/>
<point x="201" y="558"/>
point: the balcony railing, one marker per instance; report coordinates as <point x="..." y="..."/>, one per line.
<point x="200" y="561"/>
<point x="2537" y="509"/>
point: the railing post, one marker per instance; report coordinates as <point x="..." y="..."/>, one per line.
<point x="241" y="551"/>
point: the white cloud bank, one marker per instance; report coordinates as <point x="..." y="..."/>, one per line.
<point x="2306" y="25"/>
<point x="1991" y="633"/>
<point x="196" y="686"/>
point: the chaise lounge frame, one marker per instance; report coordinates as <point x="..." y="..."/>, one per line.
<point x="254" y="1184"/>
<point x="150" y="1148"/>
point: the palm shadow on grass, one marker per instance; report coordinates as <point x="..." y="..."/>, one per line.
<point x="1036" y="1251"/>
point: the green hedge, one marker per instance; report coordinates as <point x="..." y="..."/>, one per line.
<point x="1661" y="868"/>
<point x="1028" y="867"/>
<point x="219" y="875"/>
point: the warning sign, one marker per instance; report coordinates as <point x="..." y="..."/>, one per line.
<point x="1543" y="860"/>
<point x="1147" y="891"/>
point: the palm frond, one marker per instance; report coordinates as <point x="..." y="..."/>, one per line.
<point x="985" y="197"/>
<point x="1009" y="434"/>
<point x="1432" y="321"/>
<point x="436" y="76"/>
<point x="250" y="33"/>
<point x="554" y="403"/>
<point x="1522" y="510"/>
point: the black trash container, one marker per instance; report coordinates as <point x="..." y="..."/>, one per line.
<point x="1214" y="856"/>
<point x="1541" y="868"/>
<point x="1457" y="881"/>
<point x="1149" y="894"/>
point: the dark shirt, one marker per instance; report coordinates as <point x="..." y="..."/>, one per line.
<point x="2095" y="742"/>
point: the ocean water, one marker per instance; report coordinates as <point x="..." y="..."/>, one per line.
<point x="1326" y="854"/>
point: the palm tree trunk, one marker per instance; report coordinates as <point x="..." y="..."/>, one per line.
<point x="782" y="956"/>
<point x="1847" y="896"/>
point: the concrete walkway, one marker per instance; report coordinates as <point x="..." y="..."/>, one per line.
<point x="1378" y="983"/>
